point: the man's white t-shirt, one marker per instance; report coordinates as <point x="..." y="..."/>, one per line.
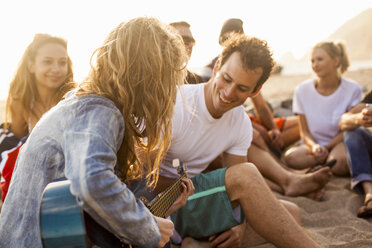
<point x="323" y="112"/>
<point x="198" y="138"/>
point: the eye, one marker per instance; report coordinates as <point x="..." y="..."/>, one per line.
<point x="62" y="63"/>
<point x="243" y="89"/>
<point x="47" y="62"/>
<point x="226" y="79"/>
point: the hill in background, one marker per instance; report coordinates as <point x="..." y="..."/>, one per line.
<point x="355" y="34"/>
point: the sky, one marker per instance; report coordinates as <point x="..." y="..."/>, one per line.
<point x="287" y="25"/>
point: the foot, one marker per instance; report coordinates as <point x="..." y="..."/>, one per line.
<point x="365" y="211"/>
<point x="316" y="195"/>
<point x="301" y="184"/>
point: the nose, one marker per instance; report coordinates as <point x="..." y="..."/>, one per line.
<point x="230" y="91"/>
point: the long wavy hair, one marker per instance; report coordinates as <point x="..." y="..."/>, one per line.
<point x="139" y="67"/>
<point x="23" y="86"/>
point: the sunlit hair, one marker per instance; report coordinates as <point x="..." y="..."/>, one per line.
<point x="336" y="50"/>
<point x="23" y="86"/>
<point x="254" y="53"/>
<point x="139" y="67"/>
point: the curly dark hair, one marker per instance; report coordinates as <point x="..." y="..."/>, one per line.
<point x="254" y="53"/>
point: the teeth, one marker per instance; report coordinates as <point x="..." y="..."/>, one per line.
<point x="224" y="100"/>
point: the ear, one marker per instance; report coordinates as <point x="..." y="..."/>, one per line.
<point x="256" y="92"/>
<point x="216" y="66"/>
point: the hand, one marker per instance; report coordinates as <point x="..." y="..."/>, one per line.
<point x="320" y="153"/>
<point x="230" y="238"/>
<point x="366" y="118"/>
<point x="276" y="139"/>
<point x="188" y="189"/>
<point x="166" y="230"/>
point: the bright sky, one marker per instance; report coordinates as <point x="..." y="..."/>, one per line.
<point x="287" y="25"/>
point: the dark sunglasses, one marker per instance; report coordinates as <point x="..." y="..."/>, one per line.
<point x="188" y="40"/>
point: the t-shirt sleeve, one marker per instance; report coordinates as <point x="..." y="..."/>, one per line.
<point x="244" y="135"/>
<point x="297" y="104"/>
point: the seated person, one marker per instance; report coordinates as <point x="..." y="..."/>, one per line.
<point x="356" y="124"/>
<point x="319" y="103"/>
<point x="43" y="76"/>
<point x="272" y="133"/>
<point x="184" y="30"/>
<point x="91" y="135"/>
<point x="209" y="120"/>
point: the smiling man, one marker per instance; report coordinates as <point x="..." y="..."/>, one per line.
<point x="209" y="120"/>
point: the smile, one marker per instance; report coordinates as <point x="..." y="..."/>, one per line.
<point x="224" y="100"/>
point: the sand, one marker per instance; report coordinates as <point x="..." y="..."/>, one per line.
<point x="332" y="222"/>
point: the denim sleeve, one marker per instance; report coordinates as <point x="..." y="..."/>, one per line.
<point x="90" y="144"/>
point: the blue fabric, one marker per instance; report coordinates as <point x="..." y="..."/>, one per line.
<point x="358" y="144"/>
<point x="77" y="139"/>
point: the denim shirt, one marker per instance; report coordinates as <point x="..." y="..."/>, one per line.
<point x="77" y="139"/>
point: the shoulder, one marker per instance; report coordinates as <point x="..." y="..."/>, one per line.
<point x="350" y="84"/>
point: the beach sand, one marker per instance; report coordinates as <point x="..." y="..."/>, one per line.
<point x="332" y="222"/>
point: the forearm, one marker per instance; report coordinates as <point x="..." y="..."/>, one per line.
<point x="337" y="139"/>
<point x="349" y="121"/>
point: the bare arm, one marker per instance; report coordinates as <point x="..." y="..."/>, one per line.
<point x="356" y="117"/>
<point x="263" y="112"/>
<point x="229" y="159"/>
<point x="337" y="139"/>
<point x="18" y="121"/>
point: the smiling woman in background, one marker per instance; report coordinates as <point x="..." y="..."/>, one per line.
<point x="43" y="76"/>
<point x="319" y="103"/>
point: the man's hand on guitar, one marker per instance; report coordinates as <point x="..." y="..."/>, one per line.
<point x="188" y="189"/>
<point x="229" y="238"/>
<point x="166" y="230"/>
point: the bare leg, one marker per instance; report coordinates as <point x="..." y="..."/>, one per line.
<point x="340" y="168"/>
<point x="262" y="210"/>
<point x="292" y="184"/>
<point x="291" y="131"/>
<point x="251" y="238"/>
<point x="299" y="157"/>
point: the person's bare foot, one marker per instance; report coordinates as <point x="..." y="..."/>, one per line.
<point x="302" y="184"/>
<point x="316" y="195"/>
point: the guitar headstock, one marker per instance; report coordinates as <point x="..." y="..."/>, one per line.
<point x="181" y="169"/>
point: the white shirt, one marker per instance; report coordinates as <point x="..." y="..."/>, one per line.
<point x="198" y="138"/>
<point x="323" y="112"/>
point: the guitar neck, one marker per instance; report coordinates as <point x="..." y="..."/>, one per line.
<point x="165" y="200"/>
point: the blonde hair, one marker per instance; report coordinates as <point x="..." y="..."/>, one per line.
<point x="335" y="50"/>
<point x="23" y="86"/>
<point x="139" y="67"/>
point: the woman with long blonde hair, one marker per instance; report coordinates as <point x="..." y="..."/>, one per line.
<point x="90" y="138"/>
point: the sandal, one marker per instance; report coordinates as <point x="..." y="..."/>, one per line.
<point x="365" y="211"/>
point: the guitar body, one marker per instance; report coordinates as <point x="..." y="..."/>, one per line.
<point x="61" y="217"/>
<point x="64" y="224"/>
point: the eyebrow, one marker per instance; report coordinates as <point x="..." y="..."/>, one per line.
<point x="240" y="85"/>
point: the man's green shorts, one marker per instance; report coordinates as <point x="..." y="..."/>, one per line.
<point x="208" y="211"/>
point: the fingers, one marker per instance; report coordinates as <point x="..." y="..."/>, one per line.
<point x="166" y="230"/>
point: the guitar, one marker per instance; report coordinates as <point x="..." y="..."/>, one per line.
<point x="64" y="224"/>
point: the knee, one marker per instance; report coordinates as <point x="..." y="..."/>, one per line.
<point x="239" y="175"/>
<point x="290" y="158"/>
